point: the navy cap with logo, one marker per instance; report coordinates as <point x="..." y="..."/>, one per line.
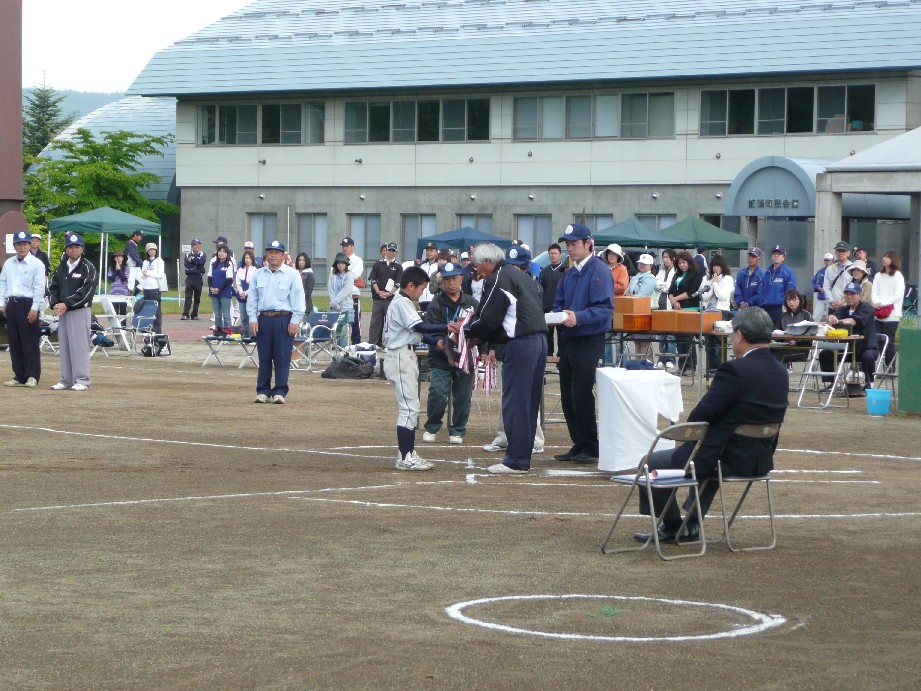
<point x="346" y="242"/>
<point x="391" y="246"/>
<point x="275" y="245"/>
<point x="220" y="240"/>
<point x="431" y="246"/>
<point x="451" y="269"/>
<point x="755" y="252"/>
<point x="22" y="236"/>
<point x="778" y="249"/>
<point x="73" y="239"/>
<point x="518" y="255"/>
<point x="853" y="287"/>
<point x="576" y="231"/>
<point x="196" y="241"/>
<point x="842" y="247"/>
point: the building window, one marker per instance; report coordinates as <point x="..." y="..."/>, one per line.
<point x="449" y="120"/>
<point x="595" y="222"/>
<point x="771" y="111"/>
<point x="404" y="121"/>
<point x="263" y="228"/>
<point x="281" y="123"/>
<point x="479" y="221"/>
<point x="316" y="123"/>
<point x="657" y="221"/>
<point x="536" y="231"/>
<point x="713" y="113"/>
<point x="415" y="226"/>
<point x="237" y="124"/>
<point x="271" y="123"/>
<point x="428" y="126"/>
<point x="631" y="116"/>
<point x="312" y="238"/>
<point x="365" y="230"/>
<point x="800" y="110"/>
<point x="524" y="119"/>
<point x="579" y="117"/>
<point x="607" y="116"/>
<point x="712" y="219"/>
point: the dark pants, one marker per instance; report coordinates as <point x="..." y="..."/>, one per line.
<point x="356" y="324"/>
<point x="578" y="360"/>
<point x="662" y="459"/>
<point x="23" y="338"/>
<point x="523" y="362"/>
<point x="553" y="340"/>
<point x="154" y="294"/>
<point x="889" y="329"/>
<point x="378" y="317"/>
<point x="775" y="312"/>
<point x="458" y="385"/>
<point x="193" y="285"/>
<point x="867" y="359"/>
<point x="274" y="346"/>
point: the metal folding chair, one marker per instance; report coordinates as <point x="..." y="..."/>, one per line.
<point x="814" y="374"/>
<point x="647" y="480"/>
<point x="319" y="334"/>
<point x="886" y="375"/>
<point x="769" y="431"/>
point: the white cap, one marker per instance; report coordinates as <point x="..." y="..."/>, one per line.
<point x="464" y="255"/>
<point x="646" y="259"/>
<point x="829" y="256"/>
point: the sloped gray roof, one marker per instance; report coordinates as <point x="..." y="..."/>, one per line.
<point x="151" y="116"/>
<point x="902" y="153"/>
<point x="328" y="45"/>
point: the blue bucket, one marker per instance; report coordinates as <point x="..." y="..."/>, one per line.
<point x="879" y="401"/>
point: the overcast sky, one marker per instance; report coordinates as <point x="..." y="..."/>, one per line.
<point x="102" y="45"/>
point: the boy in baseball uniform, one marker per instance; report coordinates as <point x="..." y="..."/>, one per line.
<point x="403" y="331"/>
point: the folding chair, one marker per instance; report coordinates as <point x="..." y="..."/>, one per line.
<point x="647" y="480"/>
<point x="319" y="334"/>
<point x="886" y="374"/>
<point x="113" y="329"/>
<point x="46" y="327"/>
<point x="142" y="321"/>
<point x="813" y="373"/>
<point x="769" y="431"/>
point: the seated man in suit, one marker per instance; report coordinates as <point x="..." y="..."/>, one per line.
<point x="750" y="389"/>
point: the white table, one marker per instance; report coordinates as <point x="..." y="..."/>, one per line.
<point x="629" y="405"/>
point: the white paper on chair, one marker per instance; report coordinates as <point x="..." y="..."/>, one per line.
<point x="555" y="317"/>
<point x="666" y="473"/>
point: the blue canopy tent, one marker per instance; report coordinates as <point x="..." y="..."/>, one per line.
<point x="460" y="239"/>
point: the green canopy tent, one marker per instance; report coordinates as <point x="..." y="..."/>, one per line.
<point x="692" y="232"/>
<point x="106" y="221"/>
<point x="632" y="233"/>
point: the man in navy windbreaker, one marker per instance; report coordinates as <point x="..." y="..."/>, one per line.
<point x="748" y="282"/>
<point x="778" y="279"/>
<point x="586" y="294"/>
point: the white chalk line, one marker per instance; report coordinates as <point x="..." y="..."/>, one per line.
<point x="826" y="452"/>
<point x="762" y="622"/>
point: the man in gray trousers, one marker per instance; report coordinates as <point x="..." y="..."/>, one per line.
<point x="71" y="295"/>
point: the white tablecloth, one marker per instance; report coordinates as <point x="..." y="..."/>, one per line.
<point x="629" y="404"/>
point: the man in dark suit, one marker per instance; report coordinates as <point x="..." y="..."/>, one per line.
<point x="750" y="389"/>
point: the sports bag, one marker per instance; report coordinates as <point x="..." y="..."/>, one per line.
<point x="349" y="368"/>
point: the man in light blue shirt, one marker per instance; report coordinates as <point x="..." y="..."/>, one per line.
<point x="22" y="291"/>
<point x="274" y="306"/>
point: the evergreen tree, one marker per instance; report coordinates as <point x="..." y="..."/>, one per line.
<point x="42" y="120"/>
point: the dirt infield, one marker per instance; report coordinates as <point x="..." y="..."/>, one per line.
<point x="160" y="530"/>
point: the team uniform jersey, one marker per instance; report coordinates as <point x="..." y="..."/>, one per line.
<point x="398" y="327"/>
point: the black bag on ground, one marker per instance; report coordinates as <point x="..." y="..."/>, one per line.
<point x="156" y="345"/>
<point x="348" y="368"/>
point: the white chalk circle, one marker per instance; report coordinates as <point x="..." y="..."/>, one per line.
<point x="761" y="622"/>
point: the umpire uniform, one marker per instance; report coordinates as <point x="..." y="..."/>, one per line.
<point x="71" y="295"/>
<point x="22" y="291"/>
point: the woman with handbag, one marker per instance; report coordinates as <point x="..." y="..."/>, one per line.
<point x="153" y="278"/>
<point x="887" y="296"/>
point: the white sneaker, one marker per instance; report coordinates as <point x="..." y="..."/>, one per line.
<point x="31" y="383"/>
<point x="660" y="365"/>
<point x="428" y="437"/>
<point x="78" y="387"/>
<point x="412" y="462"/>
<point x="261" y="398"/>
<point x="669" y="365"/>
<point x="493" y="447"/>
<point x="13" y="382"/>
<point x="537" y="449"/>
<point x="502" y="469"/>
<point x="278" y="398"/>
<point x="455" y="439"/>
<point x="60" y="386"/>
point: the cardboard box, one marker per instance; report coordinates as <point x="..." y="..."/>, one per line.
<point x="664" y="320"/>
<point x="618" y="322"/>
<point x="689" y="321"/>
<point x="637" y="322"/>
<point x="630" y="304"/>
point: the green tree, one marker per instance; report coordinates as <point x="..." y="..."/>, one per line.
<point x="42" y="120"/>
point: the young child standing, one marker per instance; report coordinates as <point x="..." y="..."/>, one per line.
<point x="403" y="331"/>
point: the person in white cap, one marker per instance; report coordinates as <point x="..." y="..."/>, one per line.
<point x="820" y="303"/>
<point x="71" y="296"/>
<point x="22" y="291"/>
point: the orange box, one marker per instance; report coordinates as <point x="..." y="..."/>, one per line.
<point x="689" y="321"/>
<point x="630" y="304"/>
<point x="664" y="320"/>
<point x="618" y="322"/>
<point x="637" y="322"/>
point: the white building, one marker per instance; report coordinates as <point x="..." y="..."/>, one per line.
<point x="310" y="120"/>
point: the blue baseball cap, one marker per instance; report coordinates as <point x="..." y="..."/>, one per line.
<point x="22" y="236"/>
<point x="853" y="287"/>
<point x="451" y="269"/>
<point x="518" y="255"/>
<point x="73" y="239"/>
<point x="275" y="245"/>
<point x="576" y="231"/>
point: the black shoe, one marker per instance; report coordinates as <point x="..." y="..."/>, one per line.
<point x="691" y="533"/>
<point x="584" y="457"/>
<point x="194" y="319"/>
<point x="184" y="317"/>
<point x="568" y="456"/>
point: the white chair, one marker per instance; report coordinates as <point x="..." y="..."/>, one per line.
<point x="814" y="374"/>
<point x="646" y="480"/>
<point x="883" y="374"/>
<point x="113" y="328"/>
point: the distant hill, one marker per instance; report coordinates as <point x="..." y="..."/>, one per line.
<point x="82" y="102"/>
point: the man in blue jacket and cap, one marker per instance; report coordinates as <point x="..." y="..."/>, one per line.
<point x="586" y="295"/>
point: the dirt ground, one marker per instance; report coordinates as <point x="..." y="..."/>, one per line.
<point x="161" y="531"/>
